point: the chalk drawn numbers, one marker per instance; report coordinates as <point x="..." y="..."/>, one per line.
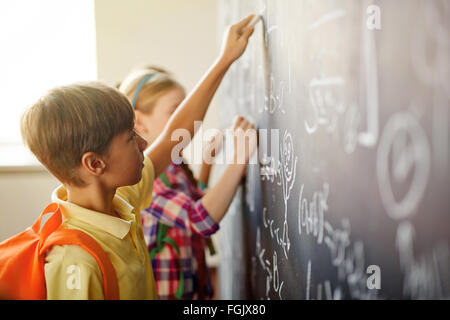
<point x="270" y="268"/>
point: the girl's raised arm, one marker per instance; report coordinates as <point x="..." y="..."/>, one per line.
<point x="194" y="107"/>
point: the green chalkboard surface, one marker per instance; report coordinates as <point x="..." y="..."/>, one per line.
<point x="350" y="195"/>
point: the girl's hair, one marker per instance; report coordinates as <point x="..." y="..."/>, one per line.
<point x="158" y="84"/>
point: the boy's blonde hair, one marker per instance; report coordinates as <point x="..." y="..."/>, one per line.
<point x="157" y="86"/>
<point x="69" y="121"/>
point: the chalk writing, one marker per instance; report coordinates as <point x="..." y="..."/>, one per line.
<point x="426" y="276"/>
<point x="400" y="128"/>
<point x="273" y="281"/>
<point x="311" y="214"/>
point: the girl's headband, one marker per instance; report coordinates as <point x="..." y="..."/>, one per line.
<point x="139" y="87"/>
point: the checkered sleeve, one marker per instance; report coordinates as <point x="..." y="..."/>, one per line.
<point x="176" y="209"/>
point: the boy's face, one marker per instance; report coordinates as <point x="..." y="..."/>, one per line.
<point x="125" y="159"/>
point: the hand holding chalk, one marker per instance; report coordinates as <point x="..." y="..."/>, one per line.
<point x="254" y="21"/>
<point x="235" y="40"/>
<point x="256" y="18"/>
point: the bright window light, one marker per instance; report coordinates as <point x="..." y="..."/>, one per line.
<point x="44" y="44"/>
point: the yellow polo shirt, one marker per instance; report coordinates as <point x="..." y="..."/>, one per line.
<point x="72" y="273"/>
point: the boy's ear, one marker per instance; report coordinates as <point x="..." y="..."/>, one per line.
<point x="93" y="163"/>
<point x="139" y="123"/>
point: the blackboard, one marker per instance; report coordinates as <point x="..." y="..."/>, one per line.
<point x="355" y="205"/>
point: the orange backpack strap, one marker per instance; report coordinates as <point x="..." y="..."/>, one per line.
<point x="52" y="236"/>
<point x="77" y="237"/>
<point x="51" y="224"/>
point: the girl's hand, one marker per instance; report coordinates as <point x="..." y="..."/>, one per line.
<point x="235" y="40"/>
<point x="211" y="148"/>
<point x="245" y="140"/>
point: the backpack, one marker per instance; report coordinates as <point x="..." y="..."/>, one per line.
<point x="22" y="258"/>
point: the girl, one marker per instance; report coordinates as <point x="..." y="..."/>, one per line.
<point x="177" y="226"/>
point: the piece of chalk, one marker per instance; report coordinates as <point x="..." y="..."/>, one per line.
<point x="254" y="20"/>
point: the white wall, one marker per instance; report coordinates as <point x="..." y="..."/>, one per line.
<point x="23" y="195"/>
<point x="179" y="35"/>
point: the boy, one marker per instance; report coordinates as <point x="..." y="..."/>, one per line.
<point x="83" y="134"/>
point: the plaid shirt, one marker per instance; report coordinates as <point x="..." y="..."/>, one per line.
<point x="180" y="208"/>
